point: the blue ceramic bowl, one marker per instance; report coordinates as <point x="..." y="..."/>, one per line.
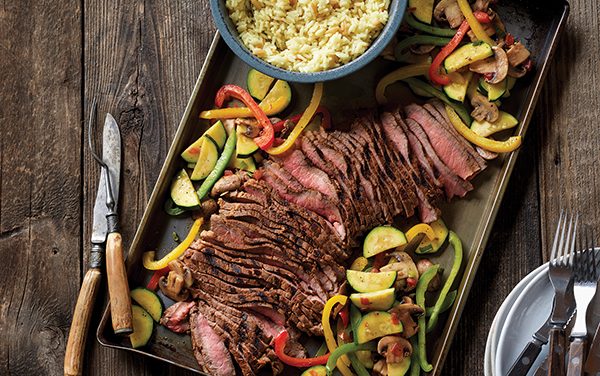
<point x="230" y="35"/>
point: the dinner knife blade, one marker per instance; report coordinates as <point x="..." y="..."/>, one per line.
<point x="111" y="154"/>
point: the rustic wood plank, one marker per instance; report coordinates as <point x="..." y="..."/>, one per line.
<point x="568" y="131"/>
<point x="40" y="185"/>
<point x="142" y="59"/>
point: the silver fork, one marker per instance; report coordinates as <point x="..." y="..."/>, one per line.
<point x="561" y="277"/>
<point x="584" y="269"/>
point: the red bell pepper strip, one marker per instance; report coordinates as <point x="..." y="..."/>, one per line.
<point x="321" y="110"/>
<point x="153" y="283"/>
<point x="280" y="342"/>
<point x="267" y="134"/>
<point x="345" y="316"/>
<point x="434" y="70"/>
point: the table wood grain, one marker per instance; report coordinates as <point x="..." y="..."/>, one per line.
<point x="140" y="60"/>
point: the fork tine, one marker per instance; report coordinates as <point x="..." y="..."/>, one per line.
<point x="564" y="239"/>
<point x="593" y="250"/>
<point x="573" y="235"/>
<point x="556" y="236"/>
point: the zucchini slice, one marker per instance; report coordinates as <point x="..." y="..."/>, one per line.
<point x="377" y="324"/>
<point x="281" y="89"/>
<point x="245" y="146"/>
<point x="433" y="245"/>
<point x="485" y="128"/>
<point x="381" y="239"/>
<point x="466" y="55"/>
<point x="494" y="91"/>
<point x="422" y="9"/>
<point x="258" y="84"/>
<point x="359" y="264"/>
<point x="183" y="193"/>
<point x="315" y="371"/>
<point x="192" y="152"/>
<point x="246" y="164"/>
<point x="148" y="300"/>
<point x="217" y="133"/>
<point x="374" y="301"/>
<point x="142" y="326"/>
<point x="458" y="90"/>
<point x="369" y="282"/>
<point x="207" y="159"/>
<point x="399" y="369"/>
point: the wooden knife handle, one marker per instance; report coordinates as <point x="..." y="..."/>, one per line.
<point x="556" y="357"/>
<point x="118" y="287"/>
<point x="576" y="356"/>
<point x="81" y="322"/>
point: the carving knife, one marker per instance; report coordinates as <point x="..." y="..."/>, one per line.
<point x="111" y="154"/>
<point x="592" y="364"/>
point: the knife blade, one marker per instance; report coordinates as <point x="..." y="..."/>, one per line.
<point x="111" y="155"/>
<point x="592" y="364"/>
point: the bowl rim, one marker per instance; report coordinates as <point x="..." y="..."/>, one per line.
<point x="396" y="11"/>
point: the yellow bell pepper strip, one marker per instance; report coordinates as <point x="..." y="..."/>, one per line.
<point x="148" y="258"/>
<point x="328" y="333"/>
<point x="302" y="123"/>
<point x="275" y="102"/>
<point x="478" y="30"/>
<point x="458" y="256"/>
<point x="420" y="299"/>
<point x="507" y="146"/>
<point x="418" y="229"/>
<point x="398" y="75"/>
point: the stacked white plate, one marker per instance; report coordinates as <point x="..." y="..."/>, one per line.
<point x="522" y="313"/>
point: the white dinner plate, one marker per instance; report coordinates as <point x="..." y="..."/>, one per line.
<point x="501" y="314"/>
<point x="529" y="311"/>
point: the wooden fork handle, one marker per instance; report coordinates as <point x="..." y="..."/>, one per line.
<point x="118" y="287"/>
<point x="576" y="358"/>
<point x="556" y="357"/>
<point x="81" y="322"/>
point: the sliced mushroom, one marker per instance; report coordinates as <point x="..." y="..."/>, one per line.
<point x="488" y="28"/>
<point x="494" y="68"/>
<point x="483" y="109"/>
<point x="178" y="267"/>
<point x="380" y="368"/>
<point x="394" y="349"/>
<point x="481" y="5"/>
<point x="405" y="268"/>
<point x="209" y="207"/>
<point x="517" y="72"/>
<point x="517" y="54"/>
<point x="226" y="184"/>
<point x="486" y="154"/>
<point x="405" y="312"/>
<point x="173" y="287"/>
<point x="249" y="127"/>
<point x="422" y="49"/>
<point x="448" y="10"/>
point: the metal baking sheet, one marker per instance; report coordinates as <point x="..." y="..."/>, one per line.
<point x="537" y="23"/>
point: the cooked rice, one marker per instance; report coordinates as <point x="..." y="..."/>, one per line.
<point x="308" y="35"/>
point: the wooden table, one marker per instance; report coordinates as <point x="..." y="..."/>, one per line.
<point x="141" y="59"/>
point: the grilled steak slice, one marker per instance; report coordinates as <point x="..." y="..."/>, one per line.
<point x="291" y="190"/>
<point x="449" y="150"/>
<point x="437" y="109"/>
<point x="209" y="349"/>
<point x="453" y="184"/>
<point x="175" y="318"/>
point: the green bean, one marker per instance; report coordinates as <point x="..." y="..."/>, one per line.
<point x="442" y="32"/>
<point x="459" y="108"/>
<point x="420" y="298"/>
<point x="458" y="256"/>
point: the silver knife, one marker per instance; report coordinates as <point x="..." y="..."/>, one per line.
<point x="111" y="154"/>
<point x="592" y="364"/>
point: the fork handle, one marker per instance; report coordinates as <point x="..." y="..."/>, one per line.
<point x="556" y="357"/>
<point x="576" y="356"/>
